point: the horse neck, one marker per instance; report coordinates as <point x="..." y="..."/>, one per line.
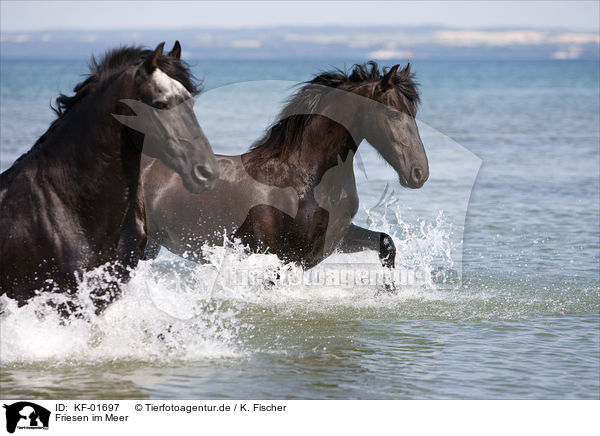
<point x="92" y="158"/>
<point x="305" y="159"/>
<point x="323" y="144"/>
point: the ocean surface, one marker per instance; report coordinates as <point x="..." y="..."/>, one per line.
<point x="510" y="216"/>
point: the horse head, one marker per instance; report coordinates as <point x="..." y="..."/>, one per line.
<point x="164" y="114"/>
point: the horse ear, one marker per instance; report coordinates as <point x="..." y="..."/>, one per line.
<point x="406" y="69"/>
<point x="152" y="62"/>
<point x="388" y="80"/>
<point x="176" y="51"/>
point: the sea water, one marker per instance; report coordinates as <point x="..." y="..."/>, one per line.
<point x="509" y="215"/>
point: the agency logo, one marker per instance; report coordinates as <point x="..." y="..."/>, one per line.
<point x="26" y="415"/>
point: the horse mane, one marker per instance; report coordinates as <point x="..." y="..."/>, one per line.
<point x="115" y="61"/>
<point x="287" y="131"/>
<point x="112" y="63"/>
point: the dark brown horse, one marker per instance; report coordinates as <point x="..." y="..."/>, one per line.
<point x="74" y="201"/>
<point x="294" y="193"/>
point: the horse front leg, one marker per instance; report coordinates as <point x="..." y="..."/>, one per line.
<point x="129" y="251"/>
<point x="359" y="238"/>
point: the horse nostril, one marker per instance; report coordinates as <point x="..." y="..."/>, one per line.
<point x="417" y="175"/>
<point x="202" y="173"/>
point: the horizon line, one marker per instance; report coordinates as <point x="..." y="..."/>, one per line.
<point x="308" y="26"/>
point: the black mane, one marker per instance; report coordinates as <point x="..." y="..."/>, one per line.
<point x="116" y="60"/>
<point x="369" y="72"/>
<point x="113" y="62"/>
<point x="288" y="128"/>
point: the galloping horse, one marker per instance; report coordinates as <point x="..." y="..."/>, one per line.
<point x="294" y="193"/>
<point x="74" y="201"/>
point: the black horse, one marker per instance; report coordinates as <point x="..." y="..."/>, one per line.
<point x="294" y="193"/>
<point x="74" y="201"/>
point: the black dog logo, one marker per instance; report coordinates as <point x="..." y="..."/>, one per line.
<point x="26" y="415"/>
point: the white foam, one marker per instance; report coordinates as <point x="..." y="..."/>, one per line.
<point x="154" y="320"/>
<point x="173" y="309"/>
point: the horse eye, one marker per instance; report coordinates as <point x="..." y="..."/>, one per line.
<point x="160" y="105"/>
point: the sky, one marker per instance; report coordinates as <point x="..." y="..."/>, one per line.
<point x="26" y="16"/>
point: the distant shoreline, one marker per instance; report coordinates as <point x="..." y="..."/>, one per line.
<point x="331" y="60"/>
<point x="318" y="42"/>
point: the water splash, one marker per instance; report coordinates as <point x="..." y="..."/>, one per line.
<point x="155" y="320"/>
<point x="176" y="310"/>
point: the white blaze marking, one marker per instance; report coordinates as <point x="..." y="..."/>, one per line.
<point x="168" y="86"/>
